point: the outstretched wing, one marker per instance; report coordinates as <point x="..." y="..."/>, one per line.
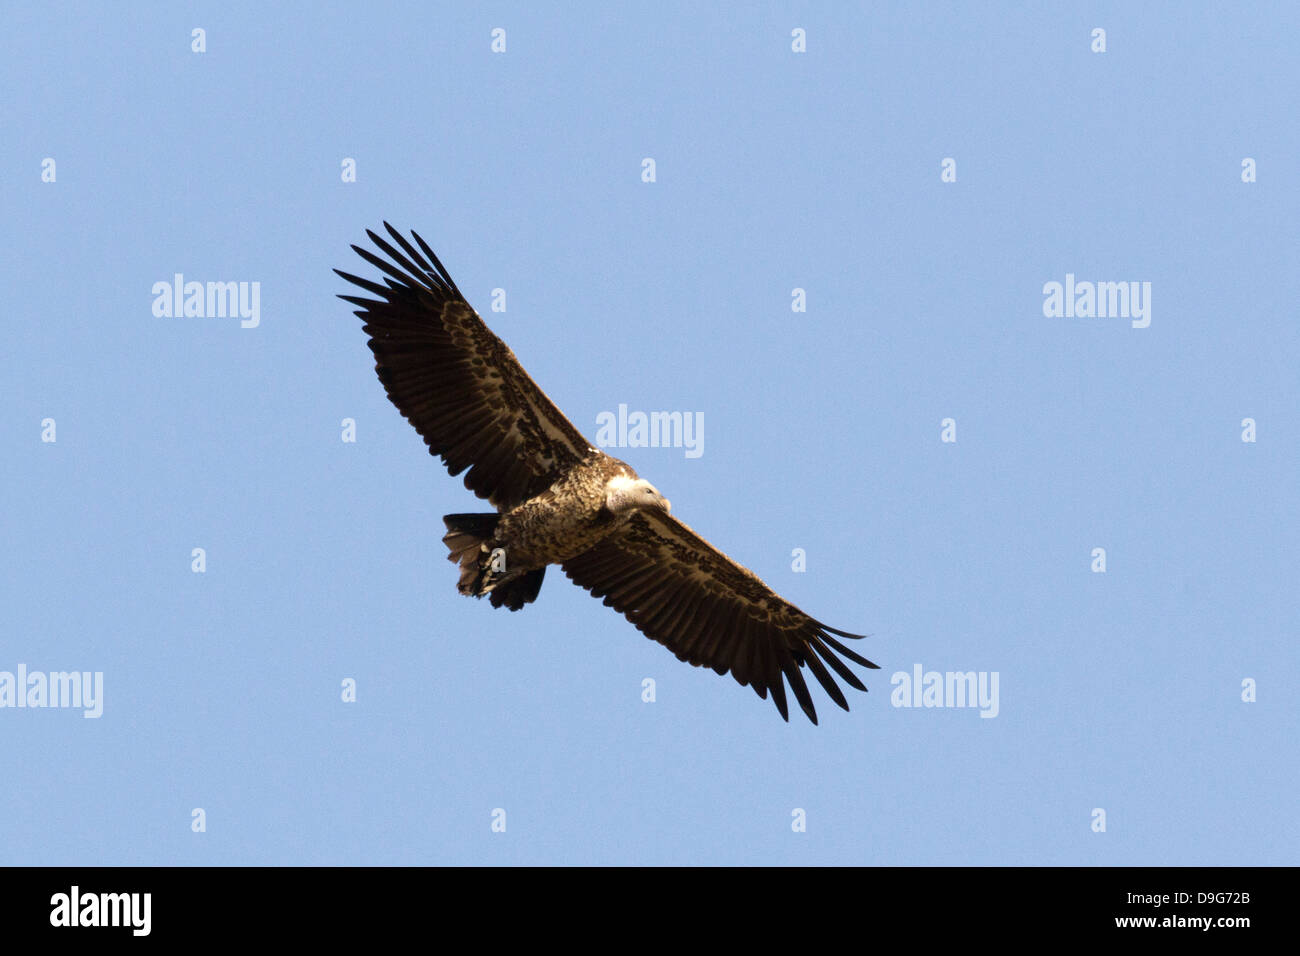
<point x="456" y="382"/>
<point x="712" y="612"/>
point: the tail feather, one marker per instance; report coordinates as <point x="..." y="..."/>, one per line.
<point x="519" y="591"/>
<point x="469" y="544"/>
<point x="479" y="527"/>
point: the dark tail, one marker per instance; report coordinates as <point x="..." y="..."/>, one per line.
<point x="519" y="591"/>
<point x="483" y="568"/>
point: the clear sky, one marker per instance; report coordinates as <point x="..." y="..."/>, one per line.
<point x="823" y="430"/>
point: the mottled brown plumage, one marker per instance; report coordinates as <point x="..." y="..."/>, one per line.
<point x="561" y="501"/>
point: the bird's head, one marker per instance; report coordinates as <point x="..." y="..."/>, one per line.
<point x="624" y="495"/>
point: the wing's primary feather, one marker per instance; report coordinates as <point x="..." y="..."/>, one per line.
<point x="456" y="382"/>
<point x="712" y="612"/>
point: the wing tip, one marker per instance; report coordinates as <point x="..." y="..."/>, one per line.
<point x="836" y="631"/>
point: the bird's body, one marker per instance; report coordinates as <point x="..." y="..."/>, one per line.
<point x="587" y="503"/>
<point x="559" y="501"/>
<point x="569" y="517"/>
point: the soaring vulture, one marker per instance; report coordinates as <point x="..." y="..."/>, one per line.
<point x="560" y="501"/>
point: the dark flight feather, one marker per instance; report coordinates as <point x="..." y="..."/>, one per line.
<point x="723" y="616"/>
<point x="457" y="383"/>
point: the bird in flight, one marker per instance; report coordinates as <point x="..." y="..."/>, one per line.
<point x="560" y="501"/>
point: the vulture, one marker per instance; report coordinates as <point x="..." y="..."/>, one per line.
<point x="560" y="501"/>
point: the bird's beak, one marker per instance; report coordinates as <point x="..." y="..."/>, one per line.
<point x="668" y="505"/>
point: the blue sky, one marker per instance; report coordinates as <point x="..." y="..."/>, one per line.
<point x="1119" y="691"/>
